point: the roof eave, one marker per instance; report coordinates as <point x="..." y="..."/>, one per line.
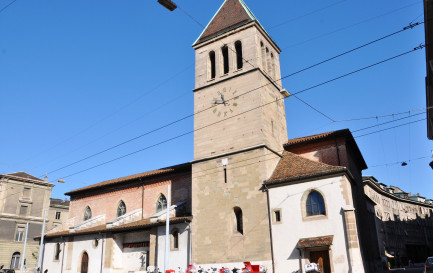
<point x="306" y="177"/>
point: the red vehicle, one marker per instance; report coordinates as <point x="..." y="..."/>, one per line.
<point x="251" y="268"/>
<point x="191" y="269"/>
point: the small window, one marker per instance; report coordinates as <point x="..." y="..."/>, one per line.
<point x="19" y="235"/>
<point x="225" y="53"/>
<point x="58" y="215"/>
<point x="121" y="209"/>
<point x="239" y="58"/>
<point x="26" y="193"/>
<point x="23" y="210"/>
<point x="273" y="65"/>
<point x="315" y="204"/>
<point x="161" y="203"/>
<point x="15" y="261"/>
<point x="87" y="214"/>
<point x="57" y="252"/>
<point x="277" y="216"/>
<point x="175" y="239"/>
<point x="239" y="220"/>
<point x="212" y="64"/>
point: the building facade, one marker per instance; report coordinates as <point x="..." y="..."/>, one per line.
<point x="403" y="223"/>
<point x="57" y="213"/>
<point x="119" y="225"/>
<point x="23" y="198"/>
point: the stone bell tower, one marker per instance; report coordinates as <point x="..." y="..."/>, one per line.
<point x="240" y="127"/>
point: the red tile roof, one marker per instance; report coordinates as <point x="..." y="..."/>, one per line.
<point x="318" y="137"/>
<point x="294" y="167"/>
<point x="315" y="242"/>
<point x="231" y="15"/>
<point x="158" y="172"/>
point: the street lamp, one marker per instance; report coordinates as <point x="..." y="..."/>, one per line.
<point x="168" y="4"/>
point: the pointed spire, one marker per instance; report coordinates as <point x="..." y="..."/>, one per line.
<point x="232" y="14"/>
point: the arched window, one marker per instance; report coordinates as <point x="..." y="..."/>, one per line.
<point x="121" y="209"/>
<point x="225" y="53"/>
<point x="15" y="261"/>
<point x="212" y="64"/>
<point x="175" y="239"/>
<point x="268" y="62"/>
<point x="57" y="252"/>
<point x="84" y="263"/>
<point x="262" y="49"/>
<point x="87" y="214"/>
<point x="239" y="221"/>
<point x="273" y="65"/>
<point x="315" y="204"/>
<point x="161" y="203"/>
<point x="239" y="58"/>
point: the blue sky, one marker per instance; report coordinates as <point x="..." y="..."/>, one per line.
<point x="77" y="77"/>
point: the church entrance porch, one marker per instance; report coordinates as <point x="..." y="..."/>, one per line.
<point x="316" y="250"/>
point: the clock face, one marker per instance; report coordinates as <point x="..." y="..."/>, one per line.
<point x="224" y="102"/>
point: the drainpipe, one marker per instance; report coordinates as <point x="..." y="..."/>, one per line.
<point x="102" y="251"/>
<point x="142" y="200"/>
<point x="270" y="227"/>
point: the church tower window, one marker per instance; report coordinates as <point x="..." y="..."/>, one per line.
<point x="262" y="49"/>
<point x="315" y="204"/>
<point x="161" y="203"/>
<point x="212" y="64"/>
<point x="225" y="53"/>
<point x="121" y="209"/>
<point x="239" y="220"/>
<point x="87" y="214"/>
<point x="239" y="58"/>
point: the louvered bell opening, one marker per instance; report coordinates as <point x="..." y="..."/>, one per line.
<point x="168" y="4"/>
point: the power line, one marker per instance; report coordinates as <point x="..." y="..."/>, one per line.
<point x="8" y="5"/>
<point x="390" y="128"/>
<point x="191" y="115"/>
<point x="384" y="116"/>
<point x="380" y="124"/>
<point x="359" y="70"/>
<point x="350" y="26"/>
<point x="410" y="26"/>
<point x="398" y="162"/>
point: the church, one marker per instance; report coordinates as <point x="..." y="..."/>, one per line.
<point x="249" y="193"/>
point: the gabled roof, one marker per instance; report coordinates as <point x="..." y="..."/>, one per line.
<point x="295" y="167"/>
<point x="231" y="14"/>
<point x="149" y="174"/>
<point x="24" y="175"/>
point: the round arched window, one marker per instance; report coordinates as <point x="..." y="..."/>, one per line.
<point x="315" y="204"/>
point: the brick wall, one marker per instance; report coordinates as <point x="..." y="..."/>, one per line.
<point x="135" y="194"/>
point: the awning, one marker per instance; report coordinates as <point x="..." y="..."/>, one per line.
<point x="315" y="242"/>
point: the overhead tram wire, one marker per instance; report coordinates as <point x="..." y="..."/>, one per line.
<point x="361" y="69"/>
<point x="350" y="26"/>
<point x="380" y="124"/>
<point x="8" y="5"/>
<point x="229" y="99"/>
<point x="211" y="124"/>
<point x="378" y="131"/>
<point x="410" y="26"/>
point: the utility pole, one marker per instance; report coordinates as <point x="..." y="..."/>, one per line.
<point x="24" y="251"/>
<point x="41" y="246"/>
<point x="167" y="226"/>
